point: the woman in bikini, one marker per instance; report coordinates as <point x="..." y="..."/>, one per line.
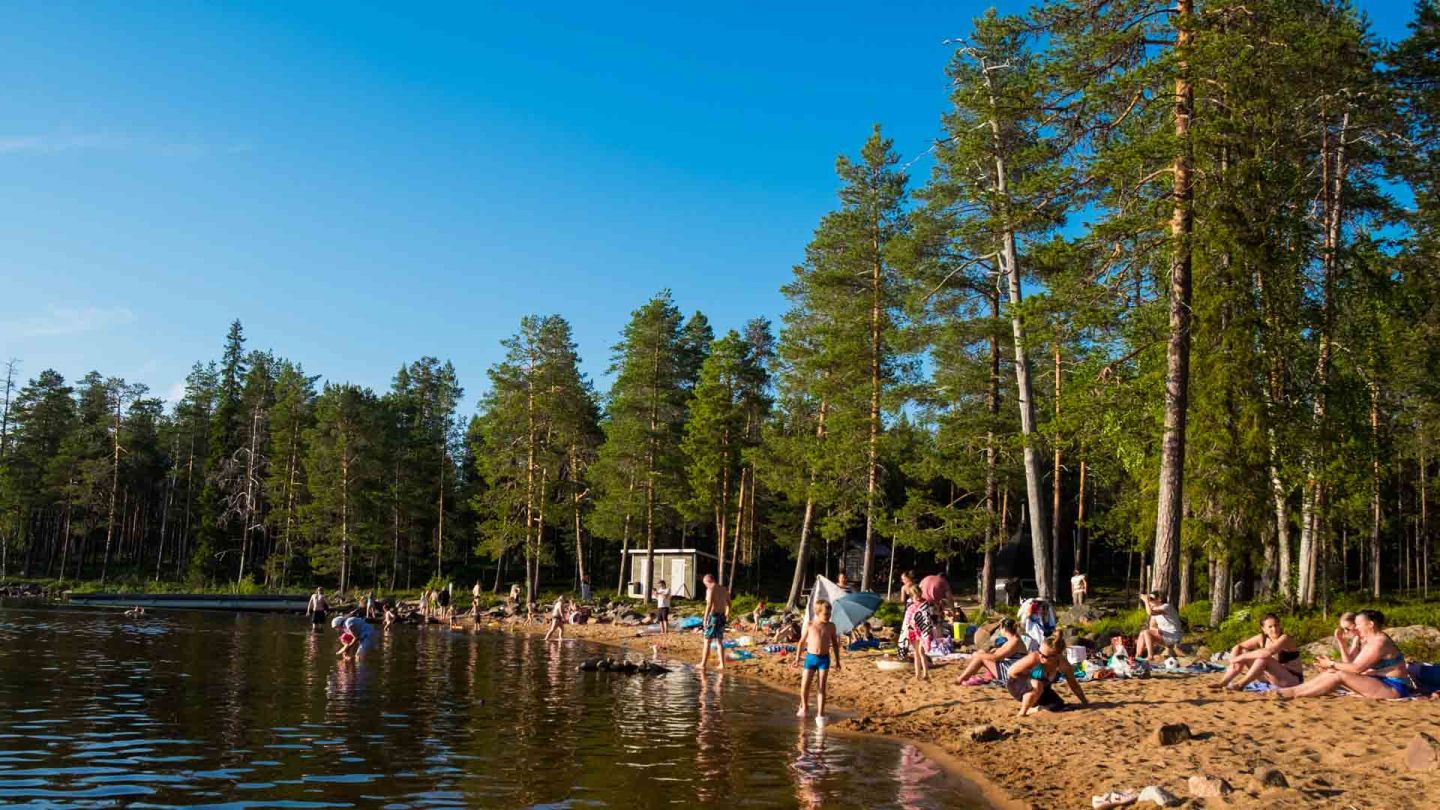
<point x="1033" y="678"/>
<point x="1271" y="655"/>
<point x="1377" y="672"/>
<point x="997" y="661"/>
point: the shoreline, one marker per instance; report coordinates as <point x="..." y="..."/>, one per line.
<point x="1334" y="751"/>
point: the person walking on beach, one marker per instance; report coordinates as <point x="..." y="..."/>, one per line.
<point x="557" y="620"/>
<point x="316" y="609"/>
<point x="819" y="641"/>
<point x="662" y="607"/>
<point x="1079" y="585"/>
<point x="717" y="612"/>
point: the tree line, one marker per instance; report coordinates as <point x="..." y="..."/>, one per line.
<point x="1170" y="286"/>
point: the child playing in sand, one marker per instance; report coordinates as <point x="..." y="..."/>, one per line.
<point x="819" y="640"/>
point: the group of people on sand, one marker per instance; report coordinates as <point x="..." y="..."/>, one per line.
<point x="1369" y="663"/>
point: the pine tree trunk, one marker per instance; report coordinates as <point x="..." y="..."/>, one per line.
<point x="114" y="488"/>
<point x="1220" y="588"/>
<point x="872" y="472"/>
<point x="992" y="458"/>
<point x="739" y="518"/>
<point x="807" y="523"/>
<point x="1009" y="267"/>
<point x="1055" y="480"/>
<point x="1166" y="574"/>
<point x="1376" y="513"/>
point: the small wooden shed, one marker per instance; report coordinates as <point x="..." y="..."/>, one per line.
<point x="681" y="568"/>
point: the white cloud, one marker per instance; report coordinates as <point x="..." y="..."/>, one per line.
<point x="74" y="321"/>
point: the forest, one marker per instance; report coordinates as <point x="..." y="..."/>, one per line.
<point x="1165" y="289"/>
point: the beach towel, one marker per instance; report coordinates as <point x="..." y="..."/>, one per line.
<point x="689" y="623"/>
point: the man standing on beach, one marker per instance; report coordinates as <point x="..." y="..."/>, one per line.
<point x="1078" y="587"/>
<point x="717" y="612"/>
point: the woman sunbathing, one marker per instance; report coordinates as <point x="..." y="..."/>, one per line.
<point x="1271" y="655"/>
<point x="1377" y="672"/>
<point x="1032" y="680"/>
<point x="997" y="661"/>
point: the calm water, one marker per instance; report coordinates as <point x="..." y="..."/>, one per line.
<point x="255" y="711"/>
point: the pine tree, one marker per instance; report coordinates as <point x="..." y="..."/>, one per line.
<point x="343" y="474"/>
<point x="641" y="466"/>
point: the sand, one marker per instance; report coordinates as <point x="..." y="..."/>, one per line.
<point x="1340" y="752"/>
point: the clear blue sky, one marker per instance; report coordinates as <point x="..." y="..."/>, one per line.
<point x="363" y="186"/>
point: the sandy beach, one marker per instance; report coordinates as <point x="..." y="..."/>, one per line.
<point x="1339" y="752"/>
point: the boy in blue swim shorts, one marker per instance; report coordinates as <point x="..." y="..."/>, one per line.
<point x="819" y="641"/>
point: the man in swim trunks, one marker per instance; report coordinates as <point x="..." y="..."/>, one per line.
<point x="819" y="641"/>
<point x="316" y="609"/>
<point x="717" y="612"/>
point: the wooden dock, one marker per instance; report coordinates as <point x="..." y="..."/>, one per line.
<point x="192" y="601"/>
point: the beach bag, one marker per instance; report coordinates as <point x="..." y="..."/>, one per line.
<point x="1426" y="677"/>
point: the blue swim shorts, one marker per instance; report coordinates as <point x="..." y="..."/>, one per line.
<point x="813" y="661"/>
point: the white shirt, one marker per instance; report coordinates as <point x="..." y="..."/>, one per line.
<point x="1167" y="620"/>
<point x="1077" y="583"/>
<point x="662" y="597"/>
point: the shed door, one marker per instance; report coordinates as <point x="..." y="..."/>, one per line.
<point x="680" y="577"/>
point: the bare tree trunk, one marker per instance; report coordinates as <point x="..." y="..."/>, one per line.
<point x="1219" y="588"/>
<point x="1424" y="534"/>
<point x="1055" y="480"/>
<point x="992" y="460"/>
<point x="1009" y="267"/>
<point x="739" y="516"/>
<point x="114" y="481"/>
<point x="1166" y="574"/>
<point x="1082" y="544"/>
<point x="807" y="523"/>
<point x="872" y="450"/>
<point x="1376" y="513"/>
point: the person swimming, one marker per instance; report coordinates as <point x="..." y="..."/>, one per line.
<point x="1377" y="672"/>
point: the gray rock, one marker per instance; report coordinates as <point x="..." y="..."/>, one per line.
<point x="1423" y="753"/>
<point x="1158" y="795"/>
<point x="985" y="733"/>
<point x="1209" y="787"/>
<point x="1270" y="778"/>
<point x="1416" y="633"/>
<point x="1172" y="733"/>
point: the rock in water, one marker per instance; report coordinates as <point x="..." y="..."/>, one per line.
<point x="590" y="665"/>
<point x="1270" y="778"/>
<point x="1172" y="733"/>
<point x="985" y="733"/>
<point x="1423" y="753"/>
<point x="1209" y="787"/>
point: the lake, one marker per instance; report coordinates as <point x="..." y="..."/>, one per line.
<point x="245" y="710"/>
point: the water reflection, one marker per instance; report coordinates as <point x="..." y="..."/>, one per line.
<point x="191" y="709"/>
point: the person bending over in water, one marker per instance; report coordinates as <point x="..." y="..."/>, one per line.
<point x="1032" y="679"/>
<point x="557" y="619"/>
<point x="1347" y="638"/>
<point x="1271" y="655"/>
<point x="819" y="641"/>
<point x="717" y="612"/>
<point x="354" y="632"/>
<point x="1163" y="630"/>
<point x="1377" y="672"/>
<point x="1010" y="647"/>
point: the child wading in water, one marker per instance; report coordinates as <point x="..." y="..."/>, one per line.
<point x="818" y="641"/>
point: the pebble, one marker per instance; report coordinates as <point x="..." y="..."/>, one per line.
<point x="1270" y="778"/>
<point x="1209" y="787"/>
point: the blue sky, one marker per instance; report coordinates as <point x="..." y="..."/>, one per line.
<point x="364" y="185"/>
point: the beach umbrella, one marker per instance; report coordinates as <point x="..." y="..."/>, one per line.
<point x="934" y="588"/>
<point x="852" y="609"/>
<point x="824" y="589"/>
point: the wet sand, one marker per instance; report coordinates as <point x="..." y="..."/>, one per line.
<point x="1339" y="752"/>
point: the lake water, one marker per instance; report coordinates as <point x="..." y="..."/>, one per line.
<point x="236" y="710"/>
